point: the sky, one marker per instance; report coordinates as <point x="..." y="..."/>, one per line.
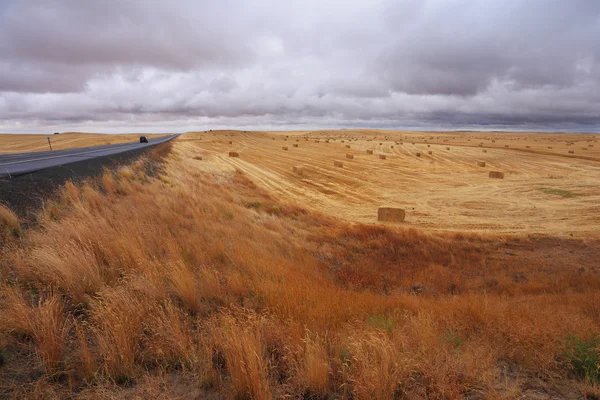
<point x="174" y="66"/>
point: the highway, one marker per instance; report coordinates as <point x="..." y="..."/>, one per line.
<point x="12" y="165"/>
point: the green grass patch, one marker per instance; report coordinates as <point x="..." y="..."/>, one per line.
<point x="453" y="338"/>
<point x="254" y="204"/>
<point x="559" y="192"/>
<point x="584" y="357"/>
<point x="380" y="321"/>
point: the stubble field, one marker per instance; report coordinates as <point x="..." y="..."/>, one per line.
<point x="544" y="190"/>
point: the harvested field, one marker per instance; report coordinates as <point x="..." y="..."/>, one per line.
<point x="446" y="191"/>
<point x="12" y="143"/>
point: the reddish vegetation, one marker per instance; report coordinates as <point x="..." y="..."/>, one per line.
<point x="201" y="284"/>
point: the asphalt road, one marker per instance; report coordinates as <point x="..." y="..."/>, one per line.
<point x="12" y="165"/>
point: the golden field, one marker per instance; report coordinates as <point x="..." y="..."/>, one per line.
<point x="18" y="143"/>
<point x="547" y="191"/>
<point x="234" y="277"/>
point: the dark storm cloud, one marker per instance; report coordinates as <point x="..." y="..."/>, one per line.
<point x="129" y="64"/>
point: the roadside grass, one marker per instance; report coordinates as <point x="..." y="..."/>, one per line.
<point x="131" y="279"/>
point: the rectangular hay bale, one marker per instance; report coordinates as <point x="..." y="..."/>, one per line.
<point x="481" y="163"/>
<point x="382" y="156"/>
<point x="338" y="164"/>
<point x="496" y="175"/>
<point x="234" y="154"/>
<point x="390" y="214"/>
<point x="350" y="156"/>
<point x="299" y="170"/>
<point x="369" y="151"/>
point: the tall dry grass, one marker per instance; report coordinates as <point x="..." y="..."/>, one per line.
<point x="10" y="226"/>
<point x="131" y="278"/>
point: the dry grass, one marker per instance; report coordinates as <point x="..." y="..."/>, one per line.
<point x="204" y="276"/>
<point x="10" y="227"/>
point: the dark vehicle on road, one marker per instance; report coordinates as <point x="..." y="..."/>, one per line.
<point x="143" y="139"/>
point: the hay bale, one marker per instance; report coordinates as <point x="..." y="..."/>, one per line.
<point x="496" y="175"/>
<point x="299" y="170"/>
<point x="316" y="141"/>
<point x="447" y="148"/>
<point x="418" y="154"/>
<point x="506" y="145"/>
<point x="484" y="150"/>
<point x="369" y="151"/>
<point x="234" y="154"/>
<point x="430" y="152"/>
<point x="284" y="148"/>
<point x="493" y="141"/>
<point x="527" y="147"/>
<point x="428" y="145"/>
<point x="390" y="214"/>
<point x="350" y="156"/>
<point x="382" y="156"/>
<point x="481" y="163"/>
<point x="347" y="146"/>
<point x="295" y="145"/>
<point x="338" y="164"/>
<point x="571" y="152"/>
<point x="550" y="147"/>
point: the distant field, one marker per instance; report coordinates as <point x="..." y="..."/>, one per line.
<point x="17" y="143"/>
<point x="546" y="189"/>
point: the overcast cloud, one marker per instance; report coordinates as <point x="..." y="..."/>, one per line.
<point x="143" y="65"/>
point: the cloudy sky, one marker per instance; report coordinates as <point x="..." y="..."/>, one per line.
<point x="144" y="65"/>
